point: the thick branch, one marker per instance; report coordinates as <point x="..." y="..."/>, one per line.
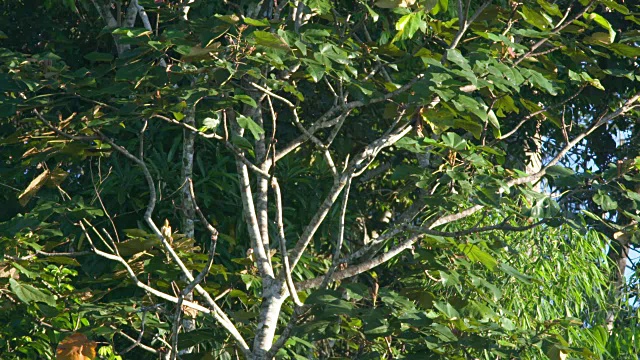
<point x="356" y="166"/>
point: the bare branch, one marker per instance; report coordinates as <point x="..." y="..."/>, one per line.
<point x="358" y="164"/>
<point x="283" y="243"/>
<point x="138" y="341"/>
<point x="219" y="315"/>
<point x="526" y="118"/>
<point x="62" y="133"/>
<point x="250" y="215"/>
<point x="134" y="278"/>
<point x="47" y="254"/>
<point x="464" y="25"/>
<point x="135" y="342"/>
<point x="212" y="248"/>
<point x="340" y="239"/>
<point x="324" y="120"/>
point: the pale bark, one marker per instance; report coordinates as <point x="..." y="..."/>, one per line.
<point x="187" y="201"/>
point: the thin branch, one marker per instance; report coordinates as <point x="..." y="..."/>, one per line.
<point x="408" y="243"/>
<point x="340" y="239"/>
<point x="135" y="342"/>
<point x="47" y="254"/>
<point x="212" y="248"/>
<point x="526" y="118"/>
<point x="324" y="120"/>
<point x="475" y="230"/>
<point x="62" y="133"/>
<point x="358" y="164"/>
<point x="234" y="150"/>
<point x="283" y="243"/>
<point x="286" y="332"/>
<point x="134" y="278"/>
<point x="464" y="26"/>
<point x="270" y="93"/>
<point x="219" y="315"/>
<point x="175" y="328"/>
<point x="250" y="215"/>
<point x="561" y="25"/>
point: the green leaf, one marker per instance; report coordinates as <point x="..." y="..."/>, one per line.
<point x="246" y="99"/>
<point x="474" y="253"/>
<point x="455" y="56"/>
<point x="447" y="309"/>
<point x="625" y="50"/>
<point x="551" y="9"/>
<point x="559" y="170"/>
<point x="27" y="293"/>
<point x="535" y="18"/>
<point x="537" y="79"/>
<point x="99" y="57"/>
<point x="604" y="23"/>
<point x="269" y="40"/>
<point x="254" y="22"/>
<point x="252" y="126"/>
<point x="454" y="141"/>
<point x="178" y="115"/>
<point x="545" y="208"/>
<point x="374" y="15"/>
<point x="443" y="332"/>
<point x="315" y="69"/>
<point x="605" y="201"/>
<point x="409" y="24"/>
<point x="509" y="270"/>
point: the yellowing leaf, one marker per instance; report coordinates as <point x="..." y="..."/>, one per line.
<point x="189" y="311"/>
<point x="33" y="187"/>
<point x="76" y="347"/>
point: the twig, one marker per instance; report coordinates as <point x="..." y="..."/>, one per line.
<point x="358" y="164"/>
<point x="212" y="248"/>
<point x="408" y="243"/>
<point x="464" y="26"/>
<point x="137" y="342"/>
<point x="47" y="254"/>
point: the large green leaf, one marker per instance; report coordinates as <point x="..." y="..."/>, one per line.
<point x="28" y="293"/>
<point x="252" y="126"/>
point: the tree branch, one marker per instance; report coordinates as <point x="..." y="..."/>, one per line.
<point x="282" y="240"/>
<point x="219" y="315"/>
<point x="561" y="25"/>
<point x="394" y="251"/>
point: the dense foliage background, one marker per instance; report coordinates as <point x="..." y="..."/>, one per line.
<point x="432" y="179"/>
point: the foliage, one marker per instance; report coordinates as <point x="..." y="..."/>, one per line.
<point x="336" y="179"/>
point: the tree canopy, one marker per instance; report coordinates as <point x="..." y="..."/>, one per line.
<point x="412" y="179"/>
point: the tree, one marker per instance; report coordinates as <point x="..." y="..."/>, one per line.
<point x="319" y="179"/>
